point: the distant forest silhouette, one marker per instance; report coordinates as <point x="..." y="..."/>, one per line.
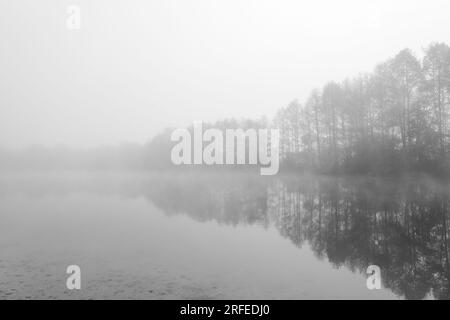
<point x="395" y="119"/>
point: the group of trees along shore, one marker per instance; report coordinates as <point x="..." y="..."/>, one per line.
<point x="393" y="120"/>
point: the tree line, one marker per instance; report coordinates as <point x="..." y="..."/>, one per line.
<point x="394" y="119"/>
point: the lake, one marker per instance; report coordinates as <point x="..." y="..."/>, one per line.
<point x="222" y="235"/>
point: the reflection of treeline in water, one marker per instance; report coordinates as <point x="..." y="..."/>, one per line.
<point x="394" y="119"/>
<point x="400" y="226"/>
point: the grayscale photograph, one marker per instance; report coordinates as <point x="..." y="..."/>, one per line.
<point x="211" y="150"/>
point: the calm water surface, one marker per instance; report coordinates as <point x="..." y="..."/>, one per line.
<point x="222" y="236"/>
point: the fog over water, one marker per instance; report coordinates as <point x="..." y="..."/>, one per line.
<point x="213" y="236"/>
<point x="355" y="95"/>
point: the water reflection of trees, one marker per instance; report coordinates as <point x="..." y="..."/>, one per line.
<point x="399" y="225"/>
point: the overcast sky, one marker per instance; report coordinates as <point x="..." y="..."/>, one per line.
<point x="136" y="67"/>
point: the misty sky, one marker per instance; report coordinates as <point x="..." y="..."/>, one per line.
<point x="136" y="67"/>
